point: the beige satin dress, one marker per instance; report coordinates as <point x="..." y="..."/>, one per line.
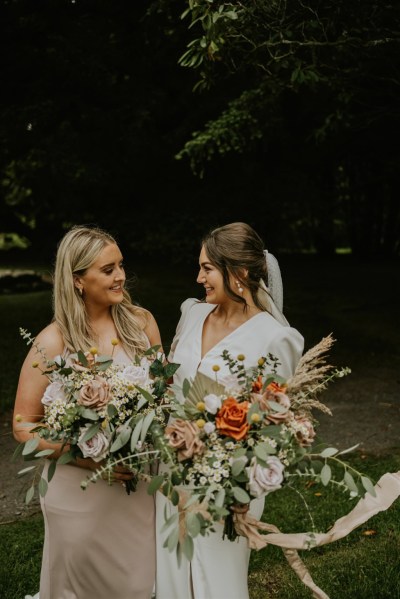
<point x="99" y="543"/>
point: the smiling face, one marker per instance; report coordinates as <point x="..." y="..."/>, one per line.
<point x="212" y="280"/>
<point x="103" y="281"/>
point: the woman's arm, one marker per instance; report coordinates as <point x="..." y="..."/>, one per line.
<point x="28" y="407"/>
<point x="152" y="331"/>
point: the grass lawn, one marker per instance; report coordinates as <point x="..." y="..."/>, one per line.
<point x="363" y="565"/>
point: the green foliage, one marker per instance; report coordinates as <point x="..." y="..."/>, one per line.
<point x="364" y="564"/>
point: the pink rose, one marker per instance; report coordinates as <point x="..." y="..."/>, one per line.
<point x="305" y="432"/>
<point x="96" y="447"/>
<point x="263" y="480"/>
<point x="95" y="394"/>
<point x="184" y="436"/>
<point x="278" y="397"/>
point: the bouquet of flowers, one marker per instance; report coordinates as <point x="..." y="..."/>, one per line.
<point x="102" y="410"/>
<point x="228" y="444"/>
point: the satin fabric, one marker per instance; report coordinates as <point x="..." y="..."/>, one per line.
<point x="99" y="543"/>
<point x="219" y="567"/>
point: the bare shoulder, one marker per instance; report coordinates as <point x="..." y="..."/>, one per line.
<point x="50" y="341"/>
<point x="151" y="328"/>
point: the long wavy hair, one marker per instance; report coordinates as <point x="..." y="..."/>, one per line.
<point x="77" y="251"/>
<point x="234" y="249"/>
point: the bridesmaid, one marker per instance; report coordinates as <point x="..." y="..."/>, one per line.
<point x="101" y="542"/>
<point x="239" y="314"/>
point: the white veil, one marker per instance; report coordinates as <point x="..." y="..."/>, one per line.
<point x="272" y="296"/>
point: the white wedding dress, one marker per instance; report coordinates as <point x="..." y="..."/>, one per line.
<point x="219" y="567"/>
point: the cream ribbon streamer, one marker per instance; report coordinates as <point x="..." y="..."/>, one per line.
<point x="387" y="490"/>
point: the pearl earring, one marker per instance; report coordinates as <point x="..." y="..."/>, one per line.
<point x="240" y="288"/>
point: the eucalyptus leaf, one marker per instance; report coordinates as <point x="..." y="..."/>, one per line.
<point x="42" y="486"/>
<point x="30" y="446"/>
<point x="240" y="495"/>
<point x="155" y="484"/>
<point x="136" y="434"/>
<point x="148" y="419"/>
<point x="25" y="470"/>
<point x="51" y="470"/>
<point x="326" y="474"/>
<point x="111" y="410"/>
<point x="146" y="394"/>
<point x="91" y="432"/>
<point x="65" y="458"/>
<point x="89" y="414"/>
<point x="263" y="451"/>
<point x="29" y="494"/>
<point x="104" y="365"/>
<point x="368" y="486"/>
<point x="328" y="452"/>
<point x="17" y="451"/>
<point x="193" y="524"/>
<point x="44" y="453"/>
<point x="82" y="358"/>
<point x="174" y="497"/>
<point x="170" y="521"/>
<point x="188" y="547"/>
<point x="186" y="388"/>
<point x="173" y="539"/>
<point x="121" y="440"/>
<point x="349" y="449"/>
<point x="349" y="480"/>
<point x="238" y="464"/>
<point x="219" y="500"/>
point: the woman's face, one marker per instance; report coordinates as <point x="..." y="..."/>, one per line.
<point x="104" y="280"/>
<point x="211" y="278"/>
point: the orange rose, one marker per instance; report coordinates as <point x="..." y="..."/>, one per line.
<point x="257" y="384"/>
<point x="231" y="419"/>
<point x="277" y="388"/>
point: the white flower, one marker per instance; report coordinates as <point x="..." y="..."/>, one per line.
<point x="213" y="403"/>
<point x="209" y="428"/>
<point x="263" y="480"/>
<point x="137" y="375"/>
<point x="231" y="384"/>
<point x="59" y="360"/>
<point x="96" y="447"/>
<point x="52" y="392"/>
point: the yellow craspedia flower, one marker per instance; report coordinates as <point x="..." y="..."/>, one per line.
<point x="104" y="424"/>
<point x="200" y="423"/>
<point x="114" y="341"/>
<point x="216" y="368"/>
<point x="130" y="387"/>
<point x="201" y="406"/>
<point x="255" y="417"/>
<point x="93" y="351"/>
<point x="18" y="417"/>
<point x="35" y="364"/>
<point x="241" y="357"/>
<point x="261" y="361"/>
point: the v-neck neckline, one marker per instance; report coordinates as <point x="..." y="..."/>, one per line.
<point x="202" y="356"/>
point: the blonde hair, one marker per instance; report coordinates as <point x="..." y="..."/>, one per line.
<point x="77" y="251"/>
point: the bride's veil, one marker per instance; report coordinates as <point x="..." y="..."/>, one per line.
<point x="271" y="297"/>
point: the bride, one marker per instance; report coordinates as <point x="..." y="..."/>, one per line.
<point x="242" y="314"/>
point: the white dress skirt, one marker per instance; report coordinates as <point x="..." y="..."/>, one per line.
<point x="219" y="568"/>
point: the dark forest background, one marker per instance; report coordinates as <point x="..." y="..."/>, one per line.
<point x="293" y="125"/>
